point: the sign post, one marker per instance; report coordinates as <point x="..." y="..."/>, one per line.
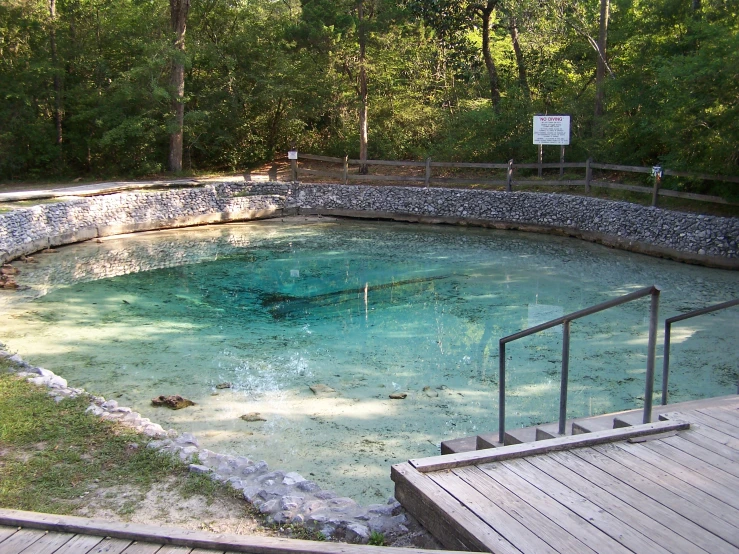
<point x="292" y="155"/>
<point x="555" y="130"/>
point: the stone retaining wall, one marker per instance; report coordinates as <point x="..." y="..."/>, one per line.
<point x="705" y="240"/>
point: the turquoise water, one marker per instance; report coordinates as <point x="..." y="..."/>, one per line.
<point x="366" y="309"/>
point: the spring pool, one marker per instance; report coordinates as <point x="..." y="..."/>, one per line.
<point x="366" y="309"/>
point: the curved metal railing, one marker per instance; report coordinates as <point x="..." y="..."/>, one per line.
<point x="668" y="327"/>
<point x="652" y="291"/>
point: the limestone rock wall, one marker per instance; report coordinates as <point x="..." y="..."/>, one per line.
<point x="707" y="240"/>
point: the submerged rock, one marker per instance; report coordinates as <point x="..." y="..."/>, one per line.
<point x="253" y="416"/>
<point x="398" y="395"/>
<point x="174" y="401"/>
<point x="320" y="388"/>
<point x="223" y="386"/>
<point x="430" y="392"/>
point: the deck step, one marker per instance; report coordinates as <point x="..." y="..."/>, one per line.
<point x="488" y="440"/>
<point x="519" y="436"/>
<point x="457" y="446"/>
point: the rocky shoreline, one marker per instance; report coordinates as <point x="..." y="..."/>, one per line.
<point x="282" y="497"/>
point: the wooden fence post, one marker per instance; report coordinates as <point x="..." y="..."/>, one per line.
<point x="509" y="176"/>
<point x="346" y="169"/>
<point x="588" y="174"/>
<point x="427" y="178"/>
<point x="541" y="157"/>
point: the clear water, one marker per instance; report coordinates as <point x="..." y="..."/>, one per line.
<point x="367" y="309"/>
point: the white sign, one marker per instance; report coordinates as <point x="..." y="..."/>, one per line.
<point x="552" y="129"/>
<point x="292" y="155"/>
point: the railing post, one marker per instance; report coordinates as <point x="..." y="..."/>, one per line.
<point x="651" y="354"/>
<point x="509" y="177"/>
<point x="501" y="394"/>
<point x="565" y="376"/>
<point x="666" y="362"/>
<point x="346" y="169"/>
<point x="427" y="177"/>
<point x="588" y="174"/>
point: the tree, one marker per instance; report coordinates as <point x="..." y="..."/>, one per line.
<point x="178" y="15"/>
<point x="453" y="19"/>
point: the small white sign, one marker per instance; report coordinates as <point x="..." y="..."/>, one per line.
<point x="292" y="155"/>
<point x="552" y="129"/>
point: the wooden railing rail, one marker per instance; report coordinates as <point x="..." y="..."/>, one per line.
<point x="427" y="178"/>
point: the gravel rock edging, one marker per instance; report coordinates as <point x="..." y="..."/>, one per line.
<point x="282" y="497"/>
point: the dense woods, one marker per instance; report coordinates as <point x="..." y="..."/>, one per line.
<point x="98" y="88"/>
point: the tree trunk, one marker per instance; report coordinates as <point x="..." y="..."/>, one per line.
<point x="486" y="15"/>
<point x="522" y="78"/>
<point x="600" y="68"/>
<point x="363" y="124"/>
<point x="58" y="112"/>
<point x="178" y="14"/>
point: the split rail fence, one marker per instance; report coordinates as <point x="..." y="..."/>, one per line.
<point x="428" y="166"/>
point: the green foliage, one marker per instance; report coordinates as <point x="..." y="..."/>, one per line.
<point x="376" y="539"/>
<point x="262" y="76"/>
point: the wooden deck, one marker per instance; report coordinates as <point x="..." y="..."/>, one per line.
<point x="669" y="487"/>
<point x="34" y="533"/>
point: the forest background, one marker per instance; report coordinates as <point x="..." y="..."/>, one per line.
<point x="104" y="88"/>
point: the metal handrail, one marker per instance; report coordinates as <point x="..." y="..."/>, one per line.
<point x="668" y="327"/>
<point x="652" y="291"/>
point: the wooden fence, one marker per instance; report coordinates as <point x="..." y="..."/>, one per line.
<point x="427" y="178"/>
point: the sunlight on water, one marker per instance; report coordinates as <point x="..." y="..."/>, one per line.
<point x="366" y="309"/>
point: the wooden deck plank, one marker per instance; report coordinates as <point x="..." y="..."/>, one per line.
<point x="608" y="523"/>
<point x="203" y="551"/>
<point x="713" y="423"/>
<point x="451" y="461"/>
<point x="7" y="531"/>
<point x="727" y="414"/>
<point x="185" y="537"/>
<point x="145" y="548"/>
<point x="445" y="517"/>
<point x="689" y="510"/>
<point x="684" y="474"/>
<point x="175" y="550"/>
<point x="725" y="448"/>
<point x="674" y="484"/>
<point x="49" y="543"/>
<point x="636" y="518"/>
<point x="586" y="532"/>
<point x="708" y="470"/>
<point x="21" y="540"/>
<point x="111" y="546"/>
<point x="713" y="458"/>
<point x="80" y="544"/>
<point x="621" y="488"/>
<point x="511" y="529"/>
<point x="526" y="515"/>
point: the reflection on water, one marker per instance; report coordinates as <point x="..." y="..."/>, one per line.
<point x="366" y="309"/>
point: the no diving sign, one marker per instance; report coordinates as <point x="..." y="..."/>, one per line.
<point x="552" y="129"/>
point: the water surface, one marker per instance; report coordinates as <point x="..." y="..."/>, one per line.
<point x="367" y="309"/>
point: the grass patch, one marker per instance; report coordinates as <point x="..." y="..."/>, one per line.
<point x="52" y="455"/>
